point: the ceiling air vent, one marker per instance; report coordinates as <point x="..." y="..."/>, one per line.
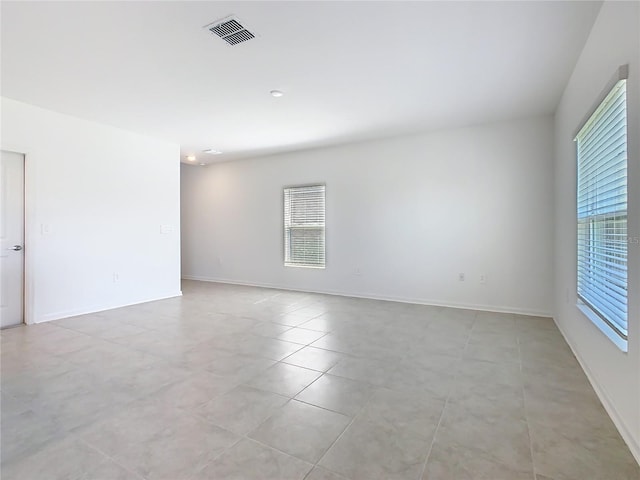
<point x="230" y="30"/>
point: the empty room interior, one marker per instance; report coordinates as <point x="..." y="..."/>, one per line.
<point x="320" y="240"/>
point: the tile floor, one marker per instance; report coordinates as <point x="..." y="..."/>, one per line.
<point x="233" y="382"/>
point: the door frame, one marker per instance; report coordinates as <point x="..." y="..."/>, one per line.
<point x="27" y="283"/>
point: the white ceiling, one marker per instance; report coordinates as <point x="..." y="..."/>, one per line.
<point x="350" y="71"/>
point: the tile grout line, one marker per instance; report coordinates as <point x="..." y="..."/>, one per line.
<point x="355" y="416"/>
<point x="444" y="408"/>
<point x="246" y="436"/>
<point x="79" y="438"/>
<point x="291" y="399"/>
<point x="526" y="416"/>
<point x="114" y="413"/>
<point x="270" y="447"/>
<point x="225" y="450"/>
<point x="353" y="419"/>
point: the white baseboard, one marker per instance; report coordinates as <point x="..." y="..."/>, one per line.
<point x="372" y="296"/>
<point x="99" y="308"/>
<point x="608" y="405"/>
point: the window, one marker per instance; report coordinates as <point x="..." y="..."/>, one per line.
<point x="602" y="215"/>
<point x="304" y="226"/>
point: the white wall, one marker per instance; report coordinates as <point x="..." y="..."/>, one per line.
<point x="614" y="41"/>
<point x="103" y="193"/>
<point x="409" y="213"/>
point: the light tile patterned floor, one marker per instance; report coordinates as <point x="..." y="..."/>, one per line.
<point x="233" y="382"/>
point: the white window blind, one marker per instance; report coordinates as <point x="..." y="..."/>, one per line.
<point x="602" y="211"/>
<point x="304" y="213"/>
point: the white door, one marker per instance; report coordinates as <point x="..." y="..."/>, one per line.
<point x="11" y="239"/>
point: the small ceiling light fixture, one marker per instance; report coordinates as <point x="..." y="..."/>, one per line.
<point x="276" y="93"/>
<point x="202" y="164"/>
<point x="212" y="151"/>
<point x="191" y="158"/>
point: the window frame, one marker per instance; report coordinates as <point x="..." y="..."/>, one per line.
<point x="607" y="326"/>
<point x="284" y="230"/>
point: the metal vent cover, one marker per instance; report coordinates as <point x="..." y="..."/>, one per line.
<point x="231" y="30"/>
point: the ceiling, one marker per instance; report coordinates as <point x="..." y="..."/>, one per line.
<point x="350" y="71"/>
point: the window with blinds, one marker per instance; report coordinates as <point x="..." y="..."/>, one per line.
<point x="304" y="213"/>
<point x="602" y="214"/>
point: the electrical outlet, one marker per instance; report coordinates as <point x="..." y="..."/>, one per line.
<point x="357" y="271"/>
<point x="461" y="277"/>
<point x="483" y="278"/>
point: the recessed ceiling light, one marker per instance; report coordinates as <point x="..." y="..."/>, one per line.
<point x="276" y="93"/>
<point x="202" y="164"/>
<point x="191" y="158"/>
<point x="212" y="151"/>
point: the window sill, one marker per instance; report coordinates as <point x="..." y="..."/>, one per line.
<point x="314" y="267"/>
<point x="610" y="333"/>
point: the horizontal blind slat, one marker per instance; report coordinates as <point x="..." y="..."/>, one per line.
<point x="601" y="201"/>
<point x="304" y="223"/>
